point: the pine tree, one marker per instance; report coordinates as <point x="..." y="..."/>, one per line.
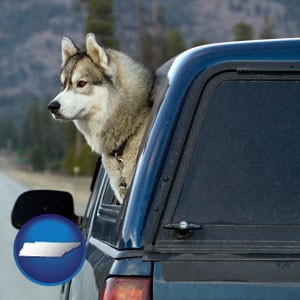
<point x="30" y="134"/>
<point x="85" y="161"/>
<point x="41" y="141"/>
<point x="242" y="31"/>
<point x="174" y="43"/>
<point x="268" y="31"/>
<point x="32" y="137"/>
<point x="100" y="20"/>
<point x="158" y="28"/>
<point x="8" y="134"/>
<point x="200" y="42"/>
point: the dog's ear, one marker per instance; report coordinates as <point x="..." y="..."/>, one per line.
<point x="68" y="49"/>
<point x="96" y="52"/>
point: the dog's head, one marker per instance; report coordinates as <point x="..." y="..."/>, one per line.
<point x="85" y="76"/>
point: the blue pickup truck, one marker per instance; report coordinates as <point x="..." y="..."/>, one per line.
<point x="213" y="211"/>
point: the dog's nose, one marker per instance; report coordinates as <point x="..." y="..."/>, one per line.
<point x="54" y="107"/>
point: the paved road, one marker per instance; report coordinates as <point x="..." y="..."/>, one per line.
<point x="13" y="285"/>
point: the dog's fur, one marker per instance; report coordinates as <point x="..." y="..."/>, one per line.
<point x="106" y="94"/>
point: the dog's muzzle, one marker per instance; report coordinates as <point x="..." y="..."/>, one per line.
<point x="54" y="107"/>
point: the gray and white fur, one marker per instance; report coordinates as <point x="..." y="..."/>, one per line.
<point x="106" y="94"/>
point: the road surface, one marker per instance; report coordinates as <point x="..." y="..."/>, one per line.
<point x="13" y="285"/>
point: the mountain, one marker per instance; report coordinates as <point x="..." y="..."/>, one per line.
<point x="213" y="20"/>
<point x="31" y="31"/>
<point x="30" y="35"/>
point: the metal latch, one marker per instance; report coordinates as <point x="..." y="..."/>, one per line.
<point x="183" y="229"/>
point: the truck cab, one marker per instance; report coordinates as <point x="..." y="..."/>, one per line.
<point x="213" y="211"/>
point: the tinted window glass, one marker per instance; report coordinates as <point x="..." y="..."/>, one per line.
<point x="246" y="165"/>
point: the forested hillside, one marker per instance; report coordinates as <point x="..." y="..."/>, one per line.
<point x="150" y="30"/>
<point x="30" y="33"/>
<point x="31" y="30"/>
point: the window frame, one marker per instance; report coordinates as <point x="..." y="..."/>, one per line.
<point x="104" y="224"/>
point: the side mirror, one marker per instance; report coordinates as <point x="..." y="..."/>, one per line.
<point x="39" y="202"/>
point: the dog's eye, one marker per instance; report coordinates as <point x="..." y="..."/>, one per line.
<point x="81" y="84"/>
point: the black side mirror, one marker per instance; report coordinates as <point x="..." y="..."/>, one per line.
<point x="39" y="202"/>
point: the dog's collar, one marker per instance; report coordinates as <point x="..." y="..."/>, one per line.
<point x="119" y="152"/>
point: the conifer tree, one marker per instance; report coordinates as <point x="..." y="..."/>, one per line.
<point x="268" y="31"/>
<point x="200" y="42"/>
<point x="100" y="20"/>
<point x="174" y="43"/>
<point x="243" y="31"/>
<point x="8" y="134"/>
<point x="32" y="137"/>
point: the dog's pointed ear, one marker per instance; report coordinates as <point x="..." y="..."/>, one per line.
<point x="68" y="49"/>
<point x="95" y="51"/>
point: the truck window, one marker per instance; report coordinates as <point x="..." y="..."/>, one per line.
<point x="242" y="180"/>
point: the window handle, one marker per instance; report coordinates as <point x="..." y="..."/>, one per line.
<point x="183" y="229"/>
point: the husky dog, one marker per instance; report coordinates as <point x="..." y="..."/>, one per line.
<point x="106" y="94"/>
